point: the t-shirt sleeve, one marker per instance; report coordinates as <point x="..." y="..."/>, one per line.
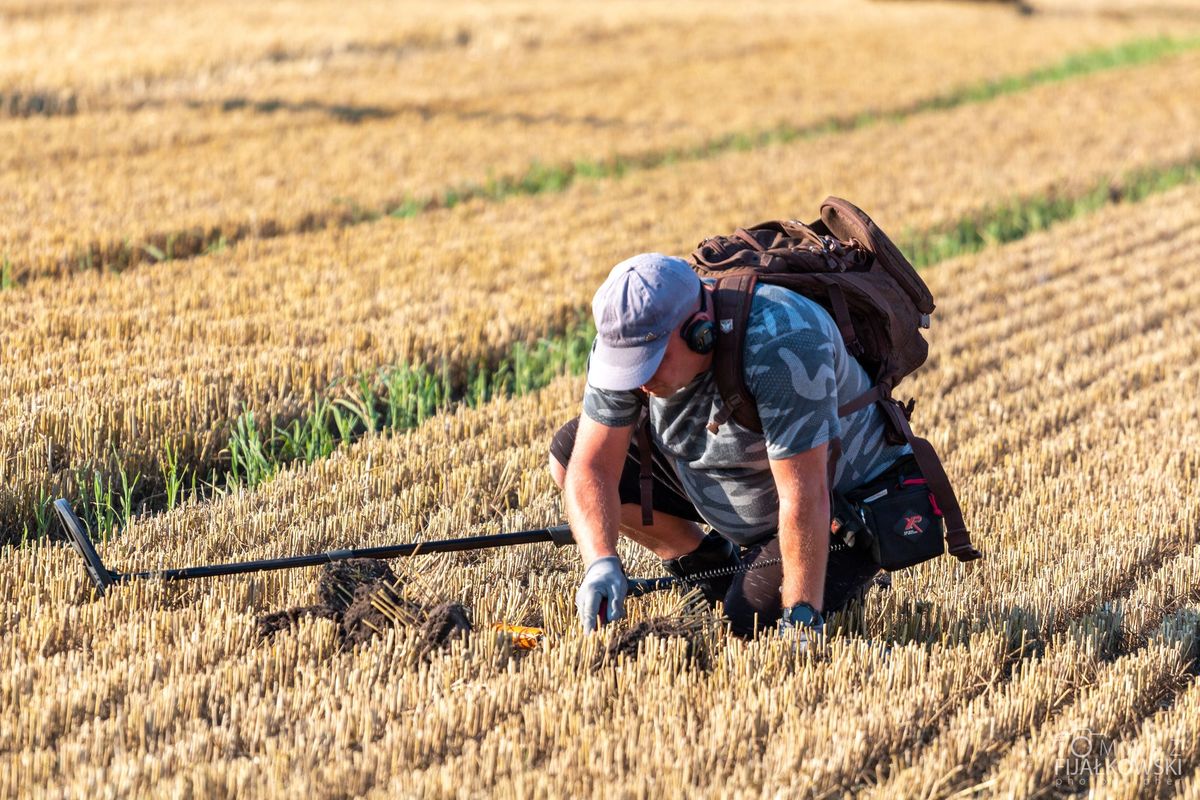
<point x="794" y="384"/>
<point x="613" y="409"/>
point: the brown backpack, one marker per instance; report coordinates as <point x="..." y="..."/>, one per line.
<point x="844" y="262"/>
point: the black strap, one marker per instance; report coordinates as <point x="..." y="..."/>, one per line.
<point x="958" y="538"/>
<point x="872" y="395"/>
<point x="841" y="315"/>
<point x="732" y="297"/>
<point x="645" y="467"/>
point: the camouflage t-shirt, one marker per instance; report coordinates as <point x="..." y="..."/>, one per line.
<point x="799" y="372"/>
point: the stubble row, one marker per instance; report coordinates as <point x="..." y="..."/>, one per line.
<point x="298" y="143"/>
<point x="1074" y="621"/>
<point x="106" y="370"/>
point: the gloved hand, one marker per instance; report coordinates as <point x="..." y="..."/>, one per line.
<point x="797" y="636"/>
<point x="603" y="585"/>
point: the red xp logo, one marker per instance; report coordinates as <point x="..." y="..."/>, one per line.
<point x="912" y="525"/>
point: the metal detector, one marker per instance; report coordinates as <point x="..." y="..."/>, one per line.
<point x="559" y="535"/>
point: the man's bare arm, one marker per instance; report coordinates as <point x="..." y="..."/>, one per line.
<point x="803" y="486"/>
<point x="590" y="489"/>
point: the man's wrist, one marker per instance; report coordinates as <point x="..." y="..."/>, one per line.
<point x="590" y="540"/>
<point x="803" y="569"/>
<point x="614" y="558"/>
<point x="793" y="591"/>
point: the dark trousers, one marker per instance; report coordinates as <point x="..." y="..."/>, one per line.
<point x="752" y="603"/>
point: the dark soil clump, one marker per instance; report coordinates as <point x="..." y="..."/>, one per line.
<point x="281" y="620"/>
<point x="444" y="623"/>
<point x="363" y="597"/>
<point x="341" y="580"/>
<point x="627" y="643"/>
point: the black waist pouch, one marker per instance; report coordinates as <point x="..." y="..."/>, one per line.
<point x="901" y="524"/>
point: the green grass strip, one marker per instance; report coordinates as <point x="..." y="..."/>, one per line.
<point x="550" y="178"/>
<point x="1019" y="218"/>
<point x="541" y="178"/>
<point x="396" y="398"/>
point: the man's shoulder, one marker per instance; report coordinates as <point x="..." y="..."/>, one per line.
<point x="776" y="312"/>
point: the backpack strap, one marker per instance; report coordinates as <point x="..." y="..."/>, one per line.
<point x="841" y="316"/>
<point x="745" y="236"/>
<point x="958" y="539"/>
<point x="731" y="309"/>
<point x="641" y="430"/>
<point x="873" y="395"/>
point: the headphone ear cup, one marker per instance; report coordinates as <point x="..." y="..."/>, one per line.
<point x="701" y="336"/>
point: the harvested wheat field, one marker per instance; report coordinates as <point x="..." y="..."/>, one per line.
<point x="303" y="278"/>
<point x="130" y="382"/>
<point x="173" y="154"/>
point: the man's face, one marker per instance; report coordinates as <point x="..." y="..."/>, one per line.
<point x="676" y="370"/>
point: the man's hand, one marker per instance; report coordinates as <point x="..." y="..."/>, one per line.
<point x="603" y="587"/>
<point x="797" y="637"/>
<point x="799" y="624"/>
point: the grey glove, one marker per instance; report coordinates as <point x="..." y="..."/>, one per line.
<point x="603" y="587"/>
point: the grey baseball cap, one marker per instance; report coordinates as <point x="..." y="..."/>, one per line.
<point x="641" y="301"/>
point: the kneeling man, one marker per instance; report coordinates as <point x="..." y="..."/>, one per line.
<point x="766" y="495"/>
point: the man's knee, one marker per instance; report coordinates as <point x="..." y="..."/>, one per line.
<point x="560" y="451"/>
<point x="752" y="603"/>
<point x="557" y="471"/>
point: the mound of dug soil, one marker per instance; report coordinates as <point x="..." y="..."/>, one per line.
<point x="363" y="597"/>
<point x="688" y="624"/>
<point x="628" y="642"/>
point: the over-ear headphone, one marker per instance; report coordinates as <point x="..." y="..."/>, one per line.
<point x="700" y="334"/>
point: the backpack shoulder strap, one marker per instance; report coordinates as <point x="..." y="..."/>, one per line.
<point x="731" y="311"/>
<point x="645" y="462"/>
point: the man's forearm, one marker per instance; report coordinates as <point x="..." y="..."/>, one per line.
<point x="593" y="511"/>
<point x="804" y="548"/>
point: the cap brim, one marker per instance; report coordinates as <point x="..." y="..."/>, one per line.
<point x="621" y="369"/>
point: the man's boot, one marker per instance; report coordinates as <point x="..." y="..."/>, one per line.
<point x="714" y="552"/>
<point x="881" y="581"/>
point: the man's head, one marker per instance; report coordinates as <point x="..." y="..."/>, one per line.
<point x="640" y="310"/>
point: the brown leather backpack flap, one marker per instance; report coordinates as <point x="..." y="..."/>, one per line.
<point x="778" y="246"/>
<point x="789" y="233"/>
<point x="848" y="222"/>
<point x="798" y="261"/>
<point x="720" y="254"/>
<point x="887" y="324"/>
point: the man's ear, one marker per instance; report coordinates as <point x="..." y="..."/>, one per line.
<point x="698" y="330"/>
